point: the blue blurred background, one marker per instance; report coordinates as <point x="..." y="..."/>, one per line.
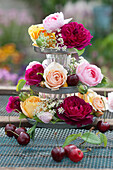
<point x="16" y="49"/>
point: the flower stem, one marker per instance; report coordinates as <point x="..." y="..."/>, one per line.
<point x="20" y="123"/>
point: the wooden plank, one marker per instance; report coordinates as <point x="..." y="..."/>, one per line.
<point x="8" y="90"/>
<point x="16" y="121"/>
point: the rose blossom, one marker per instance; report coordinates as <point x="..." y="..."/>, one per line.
<point x="75" y="35"/>
<point x="89" y="74"/>
<point x="31" y="75"/>
<point x="13" y="104"/>
<point x="29" y="106"/>
<point x="45" y="117"/>
<point x="75" y="111"/>
<point x="110" y="102"/>
<point x="32" y="64"/>
<point x="55" y="75"/>
<point x="55" y="21"/>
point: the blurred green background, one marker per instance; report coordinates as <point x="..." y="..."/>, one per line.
<point x="16" y="49"/>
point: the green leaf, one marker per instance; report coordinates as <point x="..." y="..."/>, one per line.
<point x="103" y="83"/>
<point x="20" y="84"/>
<point x="37" y="119"/>
<point x="71" y="138"/>
<point x="22" y="116"/>
<point x="80" y="52"/>
<point x="103" y="139"/>
<point x="31" y="131"/>
<point x="90" y="137"/>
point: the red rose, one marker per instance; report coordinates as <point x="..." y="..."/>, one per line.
<point x="31" y="75"/>
<point x="75" y="35"/>
<point x="13" y="104"/>
<point x="75" y="111"/>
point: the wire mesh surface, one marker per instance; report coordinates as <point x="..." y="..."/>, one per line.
<point x="3" y="103"/>
<point x="38" y="153"/>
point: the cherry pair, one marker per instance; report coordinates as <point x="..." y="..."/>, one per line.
<point x="20" y="134"/>
<point x="71" y="151"/>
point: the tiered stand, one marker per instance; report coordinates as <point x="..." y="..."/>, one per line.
<point x="63" y="58"/>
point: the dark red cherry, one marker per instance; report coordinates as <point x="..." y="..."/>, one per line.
<point x="72" y="80"/>
<point x="9" y="129"/>
<point x="23" y="138"/>
<point x="18" y="131"/>
<point x="58" y="154"/>
<point x="68" y="148"/>
<point x="103" y="126"/>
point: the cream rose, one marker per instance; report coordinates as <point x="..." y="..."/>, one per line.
<point x="55" y="76"/>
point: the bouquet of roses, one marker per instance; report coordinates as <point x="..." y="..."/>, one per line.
<point x="75" y="109"/>
<point x="59" y="33"/>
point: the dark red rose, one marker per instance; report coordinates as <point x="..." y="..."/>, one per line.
<point x="75" y="111"/>
<point x="31" y="75"/>
<point x="75" y="35"/>
<point x="13" y="104"/>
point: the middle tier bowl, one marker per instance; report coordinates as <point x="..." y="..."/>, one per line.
<point x="61" y="90"/>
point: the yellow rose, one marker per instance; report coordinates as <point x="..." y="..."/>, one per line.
<point x="34" y="31"/>
<point x="29" y="105"/>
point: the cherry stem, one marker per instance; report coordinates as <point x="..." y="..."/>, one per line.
<point x="88" y="149"/>
<point x="92" y="128"/>
<point x="56" y="138"/>
<point x="20" y="123"/>
<point x="104" y="104"/>
<point x="13" y="132"/>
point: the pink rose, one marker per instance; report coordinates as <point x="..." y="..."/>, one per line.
<point x="13" y="104"/>
<point x="75" y="35"/>
<point x="89" y="74"/>
<point x="75" y="111"/>
<point x="110" y="102"/>
<point x="32" y="64"/>
<point x="45" y="117"/>
<point x="54" y="21"/>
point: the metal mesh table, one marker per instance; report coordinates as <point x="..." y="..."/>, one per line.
<point x="38" y="153"/>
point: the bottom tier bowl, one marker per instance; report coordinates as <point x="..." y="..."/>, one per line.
<point x="58" y="125"/>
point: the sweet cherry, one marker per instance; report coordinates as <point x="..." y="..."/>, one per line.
<point x="18" y="131"/>
<point x="68" y="149"/>
<point x="103" y="126"/>
<point x="72" y="80"/>
<point x="9" y="129"/>
<point x="58" y="153"/>
<point x="76" y="155"/>
<point x="23" y="138"/>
